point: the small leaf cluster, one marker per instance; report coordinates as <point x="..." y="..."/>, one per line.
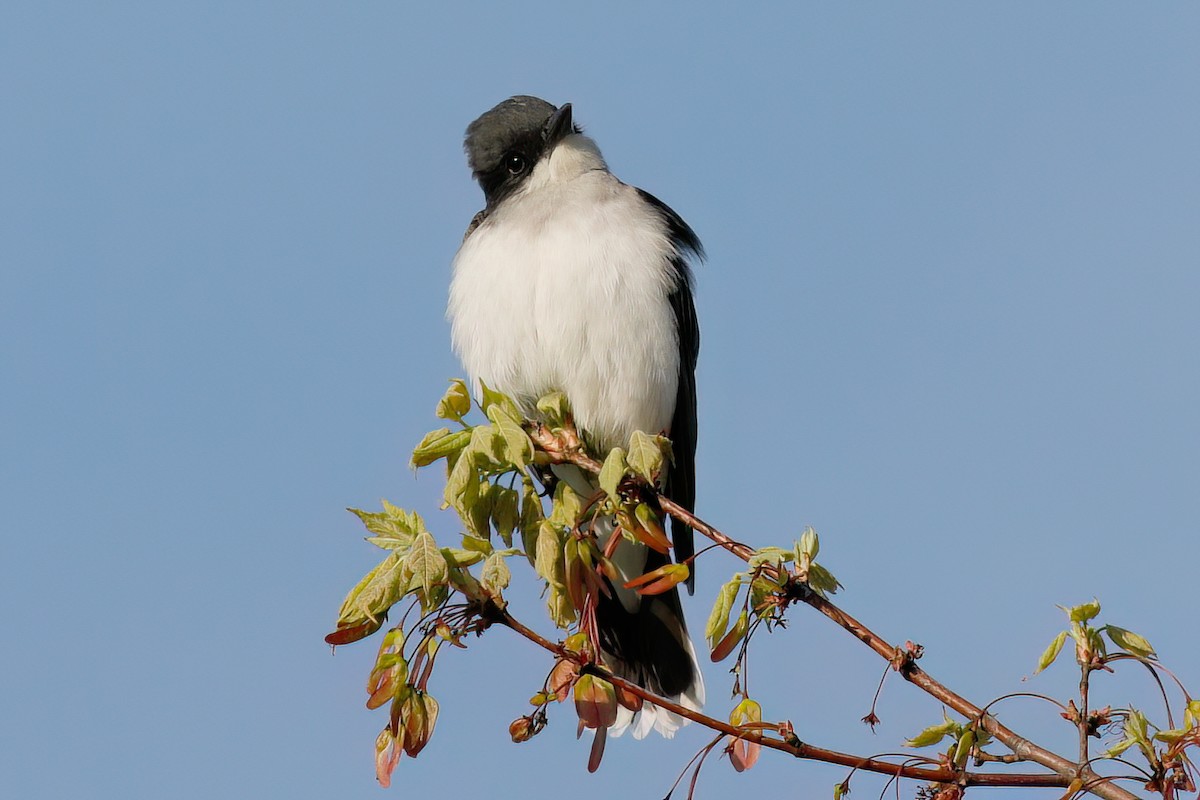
<point x="489" y="486"/>
<point x="766" y="581"/>
<point x="1091" y="651"/>
<point x="1165" y="751"/>
<point x="965" y="739"/>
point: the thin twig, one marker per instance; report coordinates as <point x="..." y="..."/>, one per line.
<point x="1082" y="722"/>
<point x="1150" y="666"/>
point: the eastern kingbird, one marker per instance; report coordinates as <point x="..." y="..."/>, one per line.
<point x="570" y="280"/>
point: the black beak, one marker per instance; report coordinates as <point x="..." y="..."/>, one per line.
<point x="559" y="125"/>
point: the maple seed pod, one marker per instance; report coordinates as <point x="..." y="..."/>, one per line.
<point x="595" y="702"/>
<point x="387" y="755"/>
<point x="626" y="522"/>
<point x="651" y="531"/>
<point x="384" y="685"/>
<point x="521" y="729"/>
<point x="731" y="639"/>
<point x="418" y="724"/>
<point x="609" y="569"/>
<point x="597" y="751"/>
<point x="352" y="633"/>
<point x="659" y="580"/>
<point x="628" y="699"/>
<point x="743" y="754"/>
<point x="562" y="677"/>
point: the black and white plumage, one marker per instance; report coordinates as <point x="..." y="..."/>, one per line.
<point x="571" y="280"/>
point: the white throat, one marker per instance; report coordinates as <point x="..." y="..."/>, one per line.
<point x="572" y="157"/>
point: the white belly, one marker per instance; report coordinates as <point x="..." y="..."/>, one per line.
<point x="567" y="289"/>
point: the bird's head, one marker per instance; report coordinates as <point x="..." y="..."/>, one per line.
<point x="524" y="137"/>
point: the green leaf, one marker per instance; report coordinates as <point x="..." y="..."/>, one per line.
<point x="531" y="517"/>
<point x="462" y="487"/>
<point x="718" y="618"/>
<point x="494" y="398"/>
<point x="548" y="559"/>
<point x="495" y="575"/>
<point x="1191" y="714"/>
<point x="480" y="518"/>
<point x="773" y="556"/>
<point x="1137" y="727"/>
<point x="1119" y="748"/>
<point x="822" y="581"/>
<point x="464" y="581"/>
<point x="810" y="543"/>
<point x="388" y="542"/>
<point x="518" y="449"/>
<point x="531" y="504"/>
<point x="1129" y="641"/>
<point x="504" y="512"/>
<point x="933" y="734"/>
<point x="378" y="590"/>
<point x="760" y="590"/>
<point x="394" y="527"/>
<point x="1084" y="612"/>
<point x="438" y="444"/>
<point x="665" y="446"/>
<point x="562" y="612"/>
<point x="427" y="564"/>
<point x="476" y="544"/>
<point x="1171" y="736"/>
<point x="459" y="557"/>
<point x="487" y="447"/>
<point x="613" y="472"/>
<point x="456" y="403"/>
<point x="645" y="456"/>
<point x="567" y="506"/>
<point x="554" y="408"/>
<point x="1051" y="652"/>
<point x="962" y="748"/>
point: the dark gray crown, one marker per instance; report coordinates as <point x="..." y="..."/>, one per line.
<point x="490" y="136"/>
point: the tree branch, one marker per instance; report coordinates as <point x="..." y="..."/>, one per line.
<point x="565" y="447"/>
<point x="795" y="748"/>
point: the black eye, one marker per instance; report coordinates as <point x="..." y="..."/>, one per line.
<point x="515" y="163"/>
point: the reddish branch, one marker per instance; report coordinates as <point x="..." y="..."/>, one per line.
<point x="564" y="447"/>
<point x="795" y="747"/>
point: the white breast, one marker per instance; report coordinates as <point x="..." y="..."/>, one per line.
<point x="565" y="287"/>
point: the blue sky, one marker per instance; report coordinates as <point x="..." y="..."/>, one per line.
<point x="949" y="318"/>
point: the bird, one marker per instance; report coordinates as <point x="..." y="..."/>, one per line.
<point x="570" y="280"/>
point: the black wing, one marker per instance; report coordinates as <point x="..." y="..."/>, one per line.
<point x="681" y="477"/>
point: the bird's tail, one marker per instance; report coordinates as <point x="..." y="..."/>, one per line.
<point x="650" y="646"/>
<point x="644" y="638"/>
